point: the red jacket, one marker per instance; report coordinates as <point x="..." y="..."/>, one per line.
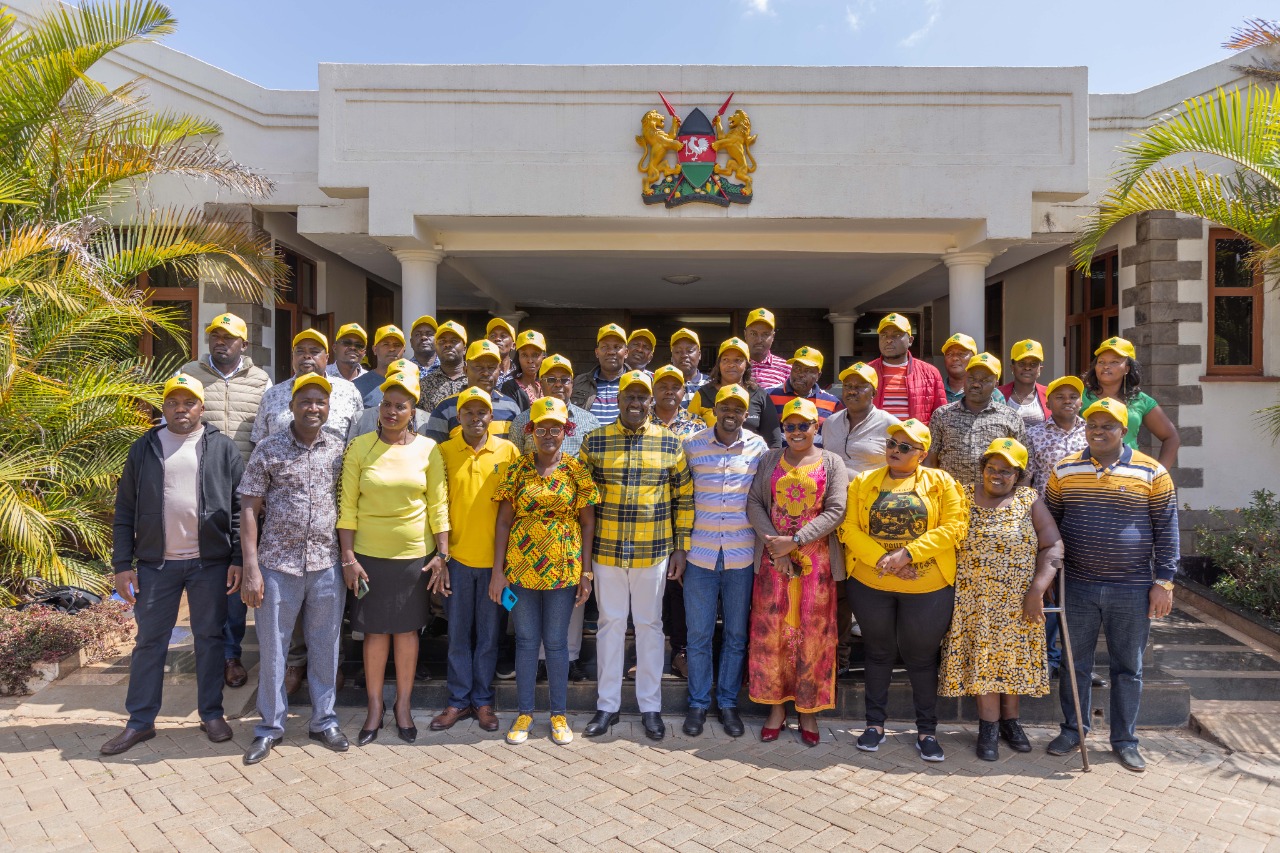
<point x="925" y="390"/>
<point x="1007" y="391"/>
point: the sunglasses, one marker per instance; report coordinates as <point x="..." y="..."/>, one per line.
<point x="804" y="427"/>
<point x="890" y="445"/>
<point x="545" y="431"/>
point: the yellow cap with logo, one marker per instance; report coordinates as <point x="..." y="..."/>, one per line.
<point x="311" y="335"/>
<point x="762" y="315"/>
<point x="634" y="377"/>
<point x="685" y="335"/>
<point x="914" y="430"/>
<point x="733" y="392"/>
<point x="1026" y="349"/>
<point x="1119" y="346"/>
<point x="1112" y="407"/>
<point x="548" y="409"/>
<point x="808" y="356"/>
<point x="960" y="339"/>
<point x="1012" y="451"/>
<point x="499" y="323"/>
<point x="402" y="365"/>
<point x="453" y="329"/>
<point x="354" y="330"/>
<point x="425" y="320"/>
<point x="863" y="371"/>
<point x="184" y="382"/>
<point x="1072" y="381"/>
<point x="668" y="371"/>
<point x="483" y="348"/>
<point x="317" y="379"/>
<point x="530" y="338"/>
<point x="986" y="361"/>
<point x="556" y="360"/>
<point x="643" y="333"/>
<point x="611" y="330"/>
<point x="388" y="331"/>
<point x="468" y="395"/>
<point x="737" y="344"/>
<point x="897" y="321"/>
<point x="801" y="407"/>
<point x="407" y="382"/>
<point x="229" y="323"/>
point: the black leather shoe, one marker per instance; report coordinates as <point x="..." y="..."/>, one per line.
<point x="576" y="672"/>
<point x="127" y="740"/>
<point x="1063" y="743"/>
<point x="1011" y="731"/>
<point x="731" y="722"/>
<point x="1131" y="759"/>
<point x="333" y="738"/>
<point x="694" y="720"/>
<point x="408" y="734"/>
<point x="988" y="748"/>
<point x="1097" y="680"/>
<point x="259" y="749"/>
<point x="654" y="728"/>
<point x="601" y="723"/>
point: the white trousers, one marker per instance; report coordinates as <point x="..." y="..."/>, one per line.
<point x="636" y="591"/>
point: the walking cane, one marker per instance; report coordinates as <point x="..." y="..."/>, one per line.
<point x="1061" y="610"/>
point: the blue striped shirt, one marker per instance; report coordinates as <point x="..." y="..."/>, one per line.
<point x="605" y="403"/>
<point x="1115" y="521"/>
<point x="721" y="478"/>
<point x="443" y="423"/>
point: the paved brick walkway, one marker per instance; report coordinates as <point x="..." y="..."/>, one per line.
<point x="466" y="790"/>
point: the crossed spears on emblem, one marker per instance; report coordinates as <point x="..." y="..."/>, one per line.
<point x="675" y="129"/>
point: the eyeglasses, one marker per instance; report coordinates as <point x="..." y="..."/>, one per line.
<point x="540" y="432"/>
<point x="804" y="427"/>
<point x="548" y="379"/>
<point x="890" y="445"/>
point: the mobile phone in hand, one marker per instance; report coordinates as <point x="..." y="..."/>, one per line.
<point x="362" y="587"/>
<point x="509" y="598"/>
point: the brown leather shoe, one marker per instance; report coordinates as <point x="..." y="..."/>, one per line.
<point x="127" y="740"/>
<point x="486" y="718"/>
<point x="234" y="673"/>
<point x="450" y="715"/>
<point x="293" y="679"/>
<point x="680" y="665"/>
<point x="217" y="729"/>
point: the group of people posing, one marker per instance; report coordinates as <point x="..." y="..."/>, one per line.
<point x="934" y="509"/>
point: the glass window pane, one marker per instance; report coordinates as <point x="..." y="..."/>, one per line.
<point x="1097" y="333"/>
<point x="1230" y="263"/>
<point x="1073" y="349"/>
<point x="1114" y="278"/>
<point x="1097" y="285"/>
<point x="1075" y="297"/>
<point x="1233" y="331"/>
<point x="168" y="353"/>
<point x="169" y="277"/>
<point x="1113" y="325"/>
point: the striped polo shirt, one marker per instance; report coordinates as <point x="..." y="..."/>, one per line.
<point x="721" y="479"/>
<point x="1118" y="523"/>
<point x="826" y="402"/>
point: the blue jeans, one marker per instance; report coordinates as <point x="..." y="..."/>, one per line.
<point x="315" y="600"/>
<point x="541" y="617"/>
<point x="1120" y="613"/>
<point x="234" y="625"/>
<point x="1052" y="630"/>
<point x="471" y="664"/>
<point x="159" y="593"/>
<point x="702" y="589"/>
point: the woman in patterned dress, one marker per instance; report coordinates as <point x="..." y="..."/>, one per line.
<point x="796" y="501"/>
<point x="543" y="540"/>
<point x="995" y="648"/>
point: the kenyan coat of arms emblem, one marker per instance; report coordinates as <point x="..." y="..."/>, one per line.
<point x="697" y="143"/>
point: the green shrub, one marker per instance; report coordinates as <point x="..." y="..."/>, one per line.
<point x="1245" y="546"/>
<point x="45" y="635"/>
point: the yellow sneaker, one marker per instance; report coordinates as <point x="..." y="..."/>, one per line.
<point x="520" y="729"/>
<point x="560" y="731"/>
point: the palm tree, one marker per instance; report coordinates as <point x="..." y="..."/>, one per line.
<point x="73" y="389"/>
<point x="1236" y="133"/>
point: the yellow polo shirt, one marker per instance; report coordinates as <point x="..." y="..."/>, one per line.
<point x="473" y="514"/>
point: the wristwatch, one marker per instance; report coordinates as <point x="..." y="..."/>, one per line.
<point x="1167" y="586"/>
<point x="589" y="575"/>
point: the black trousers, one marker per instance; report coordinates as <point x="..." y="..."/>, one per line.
<point x="910" y="625"/>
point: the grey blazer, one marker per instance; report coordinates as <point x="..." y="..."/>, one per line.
<point x="760" y="502"/>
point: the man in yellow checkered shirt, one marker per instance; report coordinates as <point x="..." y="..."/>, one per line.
<point x="643" y="525"/>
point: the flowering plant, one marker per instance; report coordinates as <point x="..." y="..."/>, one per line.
<point x="45" y="635"/>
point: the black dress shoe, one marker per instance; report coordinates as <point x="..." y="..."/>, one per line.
<point x="260" y="749"/>
<point x="601" y="723"/>
<point x="127" y="740"/>
<point x="368" y="736"/>
<point x="217" y="729"/>
<point x="1012" y="733"/>
<point x="1131" y="759"/>
<point x="576" y="672"/>
<point x="333" y="738"/>
<point x="1098" y="680"/>
<point x="654" y="728"/>
<point x="694" y="720"/>
<point x="731" y="722"/>
<point x="408" y="734"/>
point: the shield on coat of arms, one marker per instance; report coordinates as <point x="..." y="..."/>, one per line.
<point x="697" y="156"/>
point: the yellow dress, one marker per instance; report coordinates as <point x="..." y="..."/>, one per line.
<point x="990" y="649"/>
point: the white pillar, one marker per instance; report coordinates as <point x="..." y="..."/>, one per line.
<point x="842" y="326"/>
<point x="512" y="317"/>
<point x="418" y="269"/>
<point x="968" y="275"/>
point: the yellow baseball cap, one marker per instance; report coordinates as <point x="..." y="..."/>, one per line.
<point x="407" y="382"/>
<point x="426" y="319"/>
<point x="800" y="406"/>
<point x="897" y="321"/>
<point x="611" y="330"/>
<point x="668" y="372"/>
<point x="1012" y="451"/>
<point x="353" y="329"/>
<point x="1073" y="381"/>
<point x="734" y="392"/>
<point x="467" y="395"/>
<point x="229" y="323"/>
<point x="402" y="365"/>
<point x="986" y="361"/>
<point x="499" y="323"/>
<point x="483" y="348"/>
<point x="1111" y="407"/>
<point x="735" y="344"/>
<point x="1119" y="346"/>
<point x="556" y="360"/>
<point x="685" y="335"/>
<point x="453" y="329"/>
<point x="310" y="335"/>
<point x="960" y="339"/>
<point x="306" y="379"/>
<point x="389" y="331"/>
<point x="632" y="377"/>
<point x="1026" y="349"/>
<point x="548" y="409"/>
<point x="643" y="333"/>
<point x="807" y="356"/>
<point x="762" y="315"/>
<point x="862" y="370"/>
<point x="184" y="382"/>
<point x="530" y="338"/>
<point x="914" y="430"/>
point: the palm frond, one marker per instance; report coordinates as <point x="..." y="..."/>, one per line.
<point x="1255" y="32"/>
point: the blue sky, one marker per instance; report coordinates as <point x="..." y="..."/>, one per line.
<point x="1127" y="44"/>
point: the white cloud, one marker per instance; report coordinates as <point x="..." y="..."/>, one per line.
<point x="759" y="7"/>
<point x="933" y="8"/>
<point x="851" y="18"/>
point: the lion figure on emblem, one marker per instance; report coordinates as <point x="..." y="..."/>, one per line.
<point x="736" y="144"/>
<point x="656" y="142"/>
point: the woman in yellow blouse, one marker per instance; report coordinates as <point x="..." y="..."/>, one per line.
<point x="393" y="529"/>
<point x="900" y="538"/>
<point x="546" y="522"/>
